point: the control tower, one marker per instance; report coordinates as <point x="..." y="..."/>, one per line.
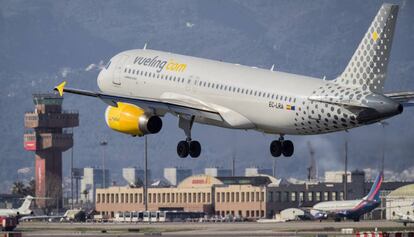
<point x="48" y="138"/>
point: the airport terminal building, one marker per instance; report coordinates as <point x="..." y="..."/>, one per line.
<point x="246" y="196"/>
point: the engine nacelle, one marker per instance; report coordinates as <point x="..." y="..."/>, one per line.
<point x="131" y="119"/>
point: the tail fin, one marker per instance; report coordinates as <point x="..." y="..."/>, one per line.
<point x="26" y="204"/>
<point x="368" y="66"/>
<point x="374" y="192"/>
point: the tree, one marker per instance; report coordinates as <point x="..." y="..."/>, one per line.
<point x="18" y="188"/>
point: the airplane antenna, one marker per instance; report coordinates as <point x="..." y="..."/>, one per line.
<point x="272" y="68"/>
<point x="145" y="46"/>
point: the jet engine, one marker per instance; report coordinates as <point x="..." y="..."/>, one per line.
<point x="131" y="119"/>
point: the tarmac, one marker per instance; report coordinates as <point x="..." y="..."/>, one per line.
<point x="296" y="228"/>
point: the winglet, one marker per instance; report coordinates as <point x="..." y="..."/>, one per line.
<point x="60" y="87"/>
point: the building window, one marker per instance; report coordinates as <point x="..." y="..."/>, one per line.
<point x="270" y="196"/>
<point x="293" y="196"/>
<point x="208" y="197"/>
<point x="257" y="197"/>
<point x="252" y="196"/>
<point x="158" y="200"/>
<point x="98" y="198"/>
<point x="310" y="196"/>
<point x="333" y="194"/>
<point x="135" y="197"/>
<point x="140" y="198"/>
<point x="218" y="197"/>
<point x="242" y="196"/>
<point x="194" y="197"/>
<point x="285" y="196"/>
<point x="204" y="197"/>
<point x="262" y="196"/>
<point x="163" y="198"/>
<point x="237" y="196"/>
<point x="318" y="196"/>
<point x="112" y="198"/>
<point x="301" y="196"/>
<point x="277" y="196"/>
<point x="222" y="197"/>
<point x="154" y="197"/>
<point x="247" y="197"/>
<point x="122" y="198"/>
<point x="232" y="196"/>
<point x="126" y="197"/>
<point x="325" y="196"/>
<point x="172" y="197"/>
<point x="227" y="197"/>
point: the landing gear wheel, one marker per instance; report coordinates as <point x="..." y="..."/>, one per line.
<point x="276" y="148"/>
<point x="183" y="149"/>
<point x="195" y="149"/>
<point x="287" y="148"/>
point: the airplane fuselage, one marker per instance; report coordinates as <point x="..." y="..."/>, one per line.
<point x="268" y="101"/>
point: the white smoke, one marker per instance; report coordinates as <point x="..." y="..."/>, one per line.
<point x="95" y="66"/>
<point x="65" y="71"/>
<point x="189" y="24"/>
<point x="390" y="175"/>
<point x="24" y="170"/>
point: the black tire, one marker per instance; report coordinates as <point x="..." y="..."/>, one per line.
<point x="195" y="149"/>
<point x="183" y="149"/>
<point x="276" y="148"/>
<point x="356" y="219"/>
<point x="287" y="148"/>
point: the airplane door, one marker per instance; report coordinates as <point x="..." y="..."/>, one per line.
<point x="192" y="84"/>
<point x="116" y="79"/>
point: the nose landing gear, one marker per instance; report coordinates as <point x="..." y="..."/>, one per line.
<point x="281" y="146"/>
<point x="187" y="147"/>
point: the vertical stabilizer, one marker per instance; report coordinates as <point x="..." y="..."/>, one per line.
<point x="368" y="66"/>
<point x="26" y="204"/>
<point x="374" y="192"/>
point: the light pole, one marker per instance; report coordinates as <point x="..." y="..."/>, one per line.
<point x="103" y="143"/>
<point x="146" y="175"/>
<point x="71" y="174"/>
<point x="383" y="124"/>
<point x="346" y="171"/>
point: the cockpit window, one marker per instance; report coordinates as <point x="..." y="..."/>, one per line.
<point x="107" y="65"/>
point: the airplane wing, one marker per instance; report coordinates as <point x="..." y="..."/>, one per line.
<point x="406" y="98"/>
<point x="43" y="217"/>
<point x="169" y="102"/>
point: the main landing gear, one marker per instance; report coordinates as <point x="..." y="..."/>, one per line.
<point x="187" y="147"/>
<point x="281" y="146"/>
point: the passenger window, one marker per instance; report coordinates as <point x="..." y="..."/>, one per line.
<point x="129" y="70"/>
<point x="149" y="75"/>
<point x="125" y="70"/>
<point x="260" y="93"/>
<point x="133" y="71"/>
<point x="145" y="74"/>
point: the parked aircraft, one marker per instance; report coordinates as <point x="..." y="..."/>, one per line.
<point x="350" y="209"/>
<point x="23" y="210"/>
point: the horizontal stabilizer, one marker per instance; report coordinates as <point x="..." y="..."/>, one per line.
<point x="337" y="101"/>
<point x="406" y="98"/>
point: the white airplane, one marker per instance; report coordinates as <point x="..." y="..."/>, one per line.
<point x="23" y="210"/>
<point x="350" y="209"/>
<point x="141" y="86"/>
<point x="404" y="218"/>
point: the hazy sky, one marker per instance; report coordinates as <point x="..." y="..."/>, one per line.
<point x="45" y="42"/>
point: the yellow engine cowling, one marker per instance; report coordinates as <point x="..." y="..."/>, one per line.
<point x="131" y="119"/>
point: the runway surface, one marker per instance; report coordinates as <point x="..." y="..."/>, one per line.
<point x="309" y="228"/>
